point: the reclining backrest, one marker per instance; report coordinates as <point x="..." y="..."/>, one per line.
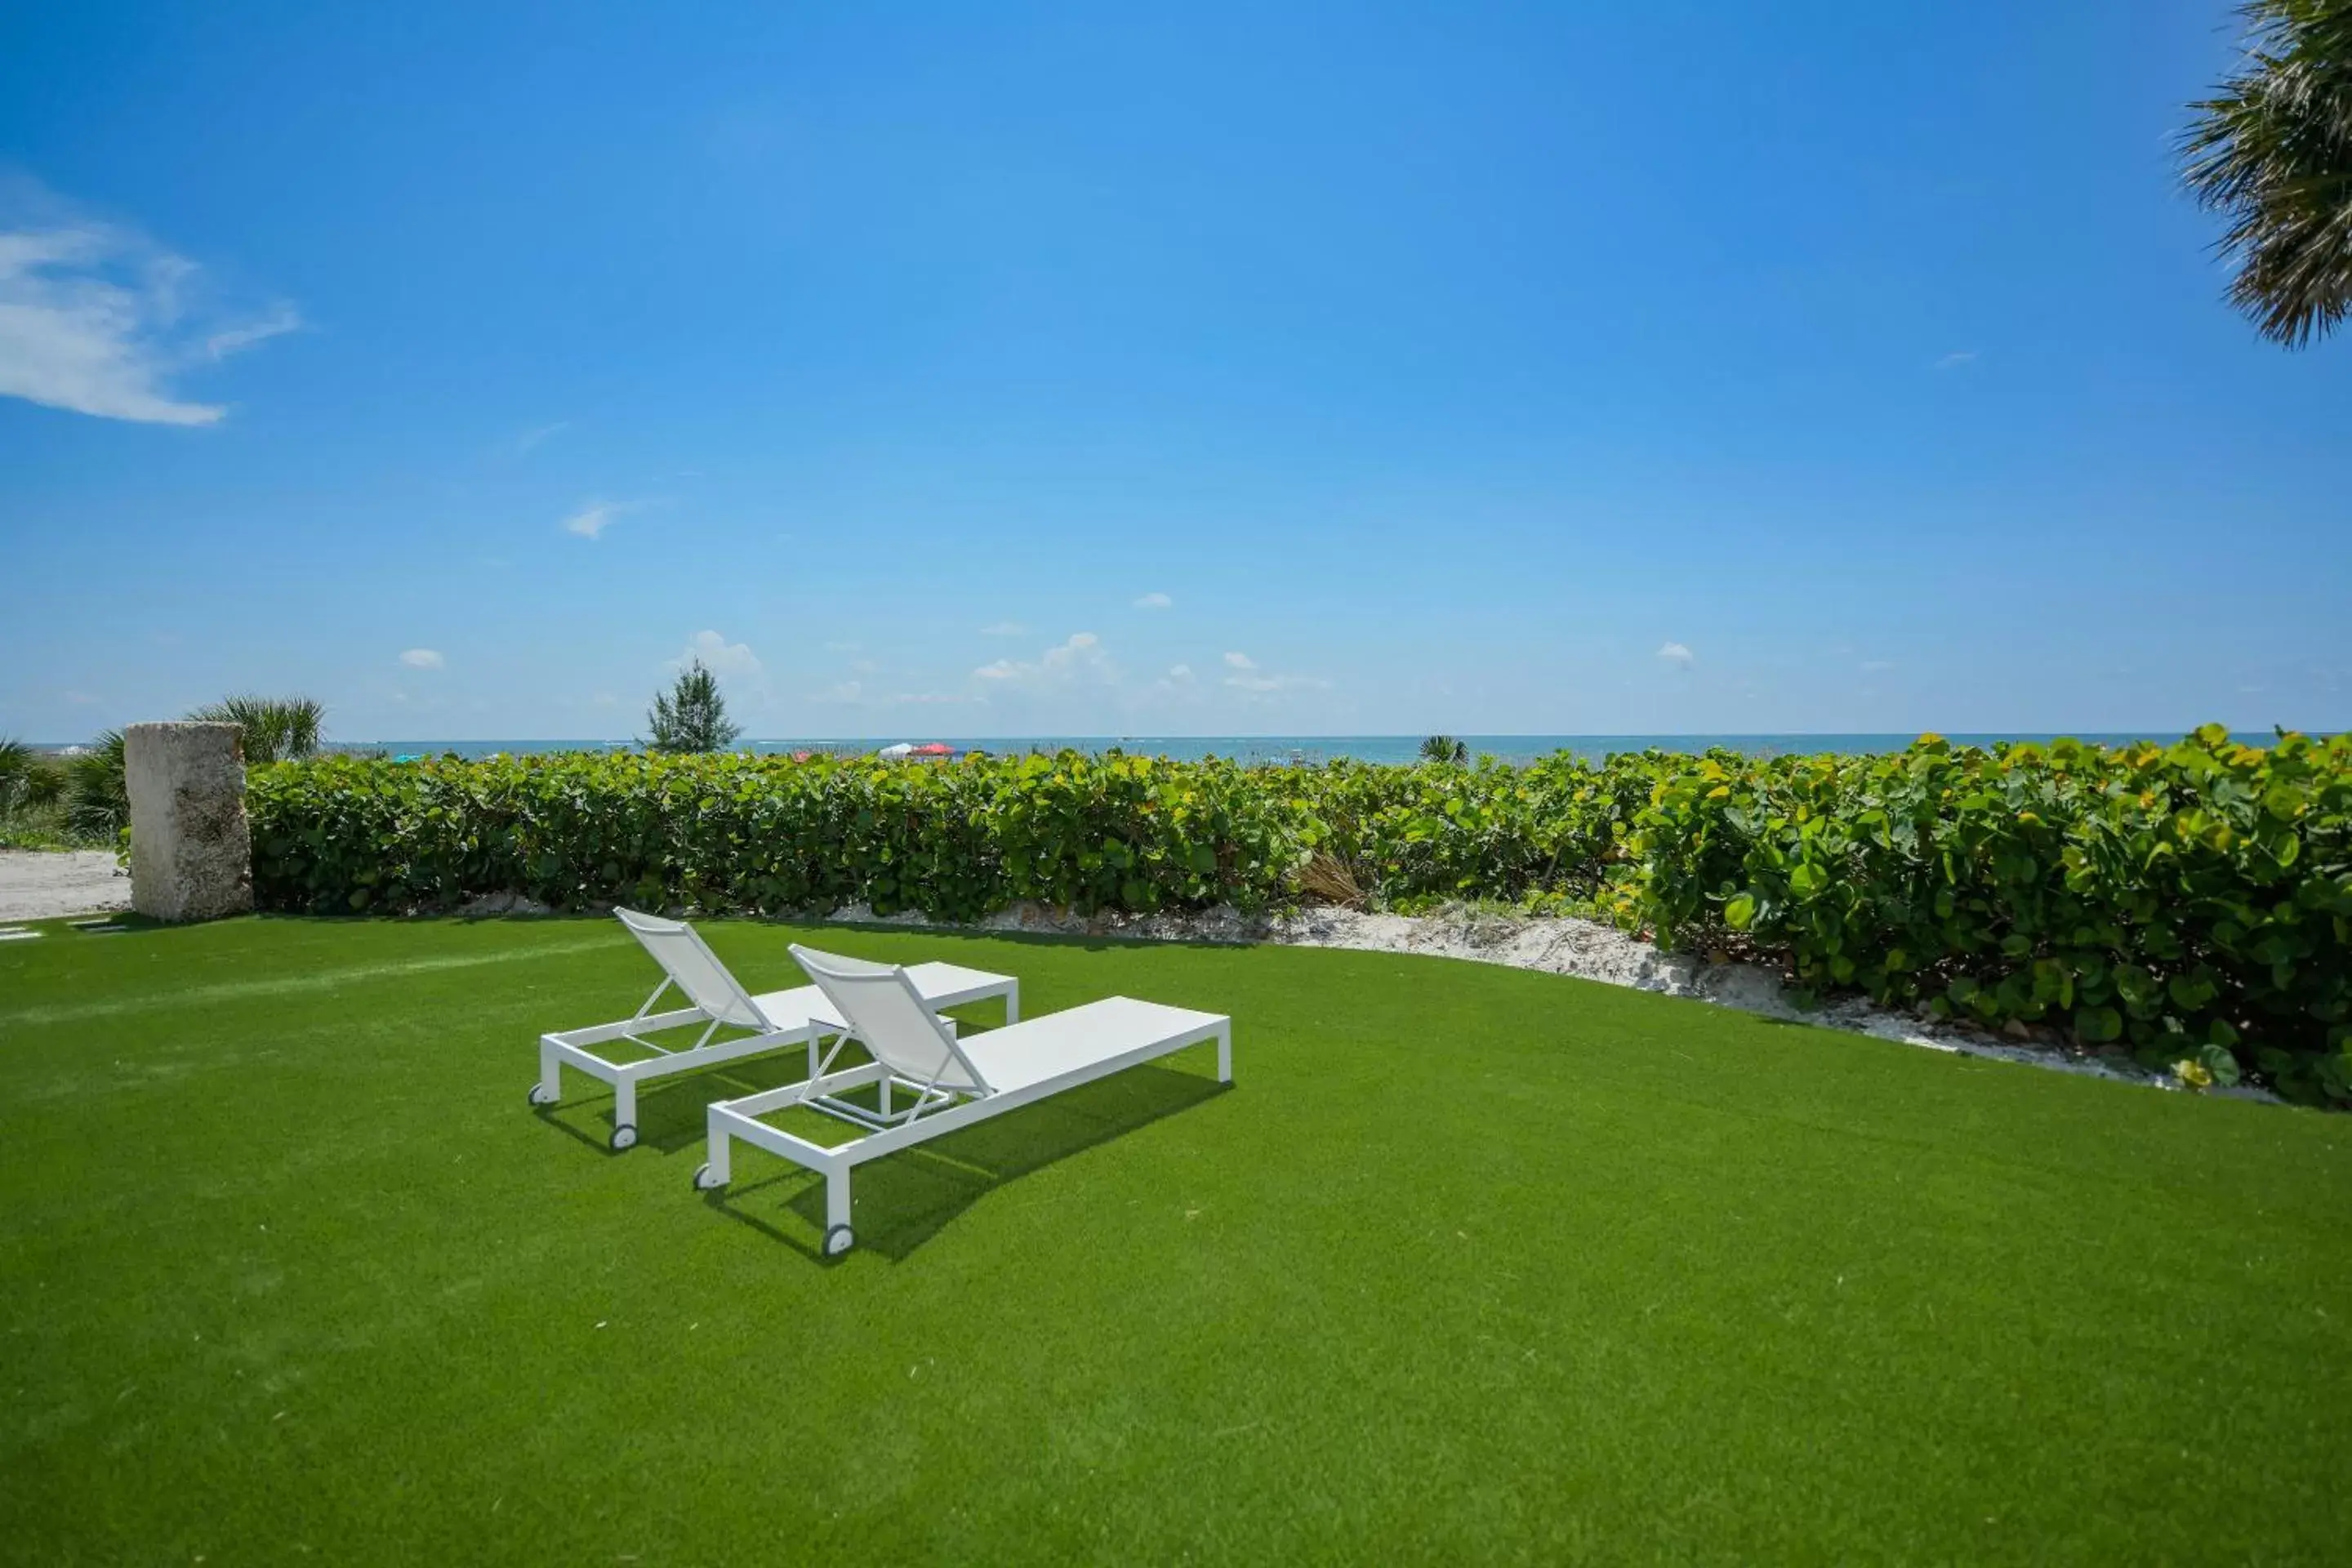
<point x="886" y="1014"/>
<point x="695" y="968"/>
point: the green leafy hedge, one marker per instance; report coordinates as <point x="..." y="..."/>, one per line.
<point x="2186" y="901"/>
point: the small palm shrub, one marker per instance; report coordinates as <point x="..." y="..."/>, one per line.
<point x="1444" y="749"/>
<point x="273" y="729"/>
<point x="96" y="798"/>
<point x="16" y="775"/>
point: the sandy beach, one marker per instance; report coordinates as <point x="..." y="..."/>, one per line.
<point x="40" y="884"/>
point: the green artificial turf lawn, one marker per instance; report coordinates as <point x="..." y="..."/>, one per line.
<point x="1470" y="1264"/>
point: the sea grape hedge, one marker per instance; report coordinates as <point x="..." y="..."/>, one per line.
<point x="2186" y="901"/>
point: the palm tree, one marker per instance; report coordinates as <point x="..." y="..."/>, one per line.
<point x="276" y="729"/>
<point x="2274" y="150"/>
<point x="692" y="716"/>
<point x="1444" y="749"/>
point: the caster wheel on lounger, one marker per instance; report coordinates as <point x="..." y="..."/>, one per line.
<point x="703" y="1183"/>
<point x="538" y="1095"/>
<point x="838" y="1240"/>
<point x="625" y="1136"/>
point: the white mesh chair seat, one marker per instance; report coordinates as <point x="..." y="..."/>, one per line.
<point x="1074" y="1040"/>
<point x="953" y="1082"/>
<point x="942" y="985"/>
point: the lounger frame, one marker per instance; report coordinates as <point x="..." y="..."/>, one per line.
<point x="934" y="1112"/>
<point x="571" y="1048"/>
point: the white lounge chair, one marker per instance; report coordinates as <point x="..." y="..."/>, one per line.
<point x="776" y="1019"/>
<point x="953" y="1083"/>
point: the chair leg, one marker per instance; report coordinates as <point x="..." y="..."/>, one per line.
<point x="719" y="1169"/>
<point x="837" y="1233"/>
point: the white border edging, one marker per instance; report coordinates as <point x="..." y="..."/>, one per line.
<point x="1585" y="950"/>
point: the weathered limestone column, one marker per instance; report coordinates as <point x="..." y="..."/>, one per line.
<point x="191" y="852"/>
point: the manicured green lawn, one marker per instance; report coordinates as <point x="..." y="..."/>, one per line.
<point x="1470" y="1264"/>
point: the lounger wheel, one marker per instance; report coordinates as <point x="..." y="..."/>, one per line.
<point x="838" y="1240"/>
<point x="540" y="1096"/>
<point x="703" y="1180"/>
<point x="625" y="1136"/>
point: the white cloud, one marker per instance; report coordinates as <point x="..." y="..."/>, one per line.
<point x="1180" y="672"/>
<point x="1954" y="361"/>
<point x="1081" y="657"/>
<point x="97" y="318"/>
<point x="720" y="656"/>
<point x="593" y="518"/>
<point x="1680" y="656"/>
<point x="1003" y="629"/>
<point x="1155" y="602"/>
<point x="1876" y="666"/>
<point x="421" y="659"/>
<point x="1262" y="684"/>
<point x="1240" y="662"/>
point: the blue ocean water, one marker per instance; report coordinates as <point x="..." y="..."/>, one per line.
<point x="1300" y="749"/>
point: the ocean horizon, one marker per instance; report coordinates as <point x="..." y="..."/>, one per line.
<point x="1299" y="749"/>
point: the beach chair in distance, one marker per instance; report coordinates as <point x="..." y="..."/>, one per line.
<point x="949" y="1082"/>
<point x="716" y="999"/>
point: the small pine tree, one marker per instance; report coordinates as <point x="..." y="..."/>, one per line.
<point x="692" y="717"/>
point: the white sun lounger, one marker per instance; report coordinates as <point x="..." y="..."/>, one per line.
<point x="776" y="1019"/>
<point x="953" y="1083"/>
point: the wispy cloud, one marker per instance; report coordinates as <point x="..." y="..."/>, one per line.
<point x="1004" y="629"/>
<point x="97" y="318"/>
<point x="1155" y="602"/>
<point x="1264" y="685"/>
<point x="593" y="518"/>
<point x="1876" y="666"/>
<point x="1080" y="657"/>
<point x="1252" y="681"/>
<point x="421" y="659"/>
<point x="1678" y="656"/>
<point x="538" y="433"/>
<point x="852" y="693"/>
<point x="1955" y="360"/>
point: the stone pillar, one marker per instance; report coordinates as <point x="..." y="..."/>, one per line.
<point x="191" y="852"/>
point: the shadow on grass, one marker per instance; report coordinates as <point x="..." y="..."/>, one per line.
<point x="902" y="1200"/>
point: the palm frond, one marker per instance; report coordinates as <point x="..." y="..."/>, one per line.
<point x="97" y="797"/>
<point x="274" y="729"/>
<point x="2272" y="151"/>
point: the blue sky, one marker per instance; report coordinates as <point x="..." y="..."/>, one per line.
<point x="1011" y="369"/>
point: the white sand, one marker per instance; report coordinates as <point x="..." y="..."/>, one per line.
<point x="1586" y="951"/>
<point x="42" y="884"/>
